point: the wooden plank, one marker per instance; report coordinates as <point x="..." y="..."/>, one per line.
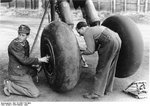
<point x="34" y="4"/>
<point x="40" y="5"/>
<point x="114" y="5"/>
<point x="138" y="5"/>
<point x="15" y="3"/>
<point x="99" y="4"/>
<point x="25" y="4"/>
<point x="31" y="4"/>
<point x="125" y="5"/>
<point x="146" y="6"/>
<point x="111" y="5"/>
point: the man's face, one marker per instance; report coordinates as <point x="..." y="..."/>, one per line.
<point x="23" y="36"/>
<point x="80" y="31"/>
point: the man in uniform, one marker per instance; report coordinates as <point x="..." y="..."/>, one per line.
<point x="20" y="70"/>
<point x="107" y="43"/>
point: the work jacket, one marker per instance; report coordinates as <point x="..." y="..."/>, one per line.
<point x="19" y="61"/>
<point x="91" y="35"/>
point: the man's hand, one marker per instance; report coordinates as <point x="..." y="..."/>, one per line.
<point x="44" y="59"/>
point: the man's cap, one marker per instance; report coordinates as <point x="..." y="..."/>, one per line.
<point x="24" y="29"/>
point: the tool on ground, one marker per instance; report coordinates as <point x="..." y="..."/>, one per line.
<point x="84" y="62"/>
<point x="137" y="89"/>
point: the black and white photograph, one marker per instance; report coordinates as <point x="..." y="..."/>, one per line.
<point x="74" y="51"/>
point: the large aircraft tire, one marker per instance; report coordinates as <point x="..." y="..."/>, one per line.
<point x="131" y="53"/>
<point x="59" y="42"/>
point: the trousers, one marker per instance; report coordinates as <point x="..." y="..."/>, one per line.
<point x="23" y="85"/>
<point x="108" y="52"/>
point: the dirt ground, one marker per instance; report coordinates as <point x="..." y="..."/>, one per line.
<point x="8" y="31"/>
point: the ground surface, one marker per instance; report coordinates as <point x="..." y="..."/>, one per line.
<point x="8" y="31"/>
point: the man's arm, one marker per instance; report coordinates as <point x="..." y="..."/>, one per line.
<point x="17" y="50"/>
<point x="90" y="45"/>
